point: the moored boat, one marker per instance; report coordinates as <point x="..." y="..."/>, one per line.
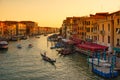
<point x="3" y="45"/>
<point x="14" y="38"/>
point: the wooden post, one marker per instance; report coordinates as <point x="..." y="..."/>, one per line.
<point x="98" y="56"/>
<point x="104" y="55"/>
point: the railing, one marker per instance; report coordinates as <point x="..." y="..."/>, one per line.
<point x="94" y="32"/>
<point x="102" y="32"/>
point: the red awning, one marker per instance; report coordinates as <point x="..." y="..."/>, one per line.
<point x="92" y="46"/>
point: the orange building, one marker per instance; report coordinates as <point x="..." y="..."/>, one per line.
<point x="92" y="28"/>
<point x="1" y="29"/>
<point x="20" y="29"/>
<point x="31" y="27"/>
<point x="115" y="16"/>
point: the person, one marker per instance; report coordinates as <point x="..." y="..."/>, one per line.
<point x="44" y="53"/>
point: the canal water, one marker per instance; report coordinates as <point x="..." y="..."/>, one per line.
<point x="27" y="64"/>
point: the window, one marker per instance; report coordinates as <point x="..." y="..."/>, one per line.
<point x="108" y="39"/>
<point x="102" y="38"/>
<point x="89" y="22"/>
<point x="92" y="29"/>
<point x="98" y="27"/>
<point x="108" y="27"/>
<point x="118" y="30"/>
<point x="88" y="29"/>
<point x="118" y="21"/>
<point x="102" y="26"/>
<point x="118" y="42"/>
<point x="98" y="37"/>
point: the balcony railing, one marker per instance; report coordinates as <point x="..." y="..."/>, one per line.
<point x="102" y="32"/>
<point x="94" y="32"/>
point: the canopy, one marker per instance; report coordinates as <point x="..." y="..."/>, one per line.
<point x="92" y="46"/>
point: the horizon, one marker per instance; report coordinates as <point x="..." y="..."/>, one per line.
<point x="52" y="13"/>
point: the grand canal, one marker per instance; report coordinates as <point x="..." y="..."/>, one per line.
<point x="27" y="64"/>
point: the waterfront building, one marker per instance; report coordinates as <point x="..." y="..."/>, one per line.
<point x="116" y="19"/>
<point x="20" y="29"/>
<point x="30" y="27"/>
<point x="91" y="26"/>
<point x="1" y="29"/>
<point x="63" y="29"/>
<point x="9" y="29"/>
<point x="71" y="27"/>
<point x="106" y="33"/>
<point x="66" y="27"/>
<point x="82" y="28"/>
<point x="88" y="26"/>
<point x="115" y="16"/>
<point x="12" y="30"/>
<point x="75" y="27"/>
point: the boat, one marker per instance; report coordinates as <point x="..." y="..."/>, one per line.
<point x="3" y="45"/>
<point x="44" y="57"/>
<point x="19" y="46"/>
<point x="14" y="38"/>
<point x="37" y="36"/>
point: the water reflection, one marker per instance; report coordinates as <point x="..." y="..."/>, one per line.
<point x="27" y="63"/>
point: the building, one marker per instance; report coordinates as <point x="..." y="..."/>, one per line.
<point x="31" y="27"/>
<point x="20" y="29"/>
<point x="91" y="26"/>
<point x="115" y="16"/>
<point x="1" y="29"/>
<point x="106" y="33"/>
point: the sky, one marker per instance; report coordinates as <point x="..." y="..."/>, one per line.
<point x="51" y="13"/>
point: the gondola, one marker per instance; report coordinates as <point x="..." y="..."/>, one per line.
<point x="44" y="57"/>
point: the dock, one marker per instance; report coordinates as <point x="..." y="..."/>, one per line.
<point x="105" y="72"/>
<point x="101" y="63"/>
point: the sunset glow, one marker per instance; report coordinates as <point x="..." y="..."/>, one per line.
<point x="53" y="12"/>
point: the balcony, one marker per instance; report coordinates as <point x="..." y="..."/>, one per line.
<point x="118" y="45"/>
<point x="94" y="32"/>
<point x="102" y="32"/>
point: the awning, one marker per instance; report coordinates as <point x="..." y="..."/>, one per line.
<point x="92" y="46"/>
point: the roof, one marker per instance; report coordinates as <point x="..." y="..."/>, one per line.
<point x="115" y="12"/>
